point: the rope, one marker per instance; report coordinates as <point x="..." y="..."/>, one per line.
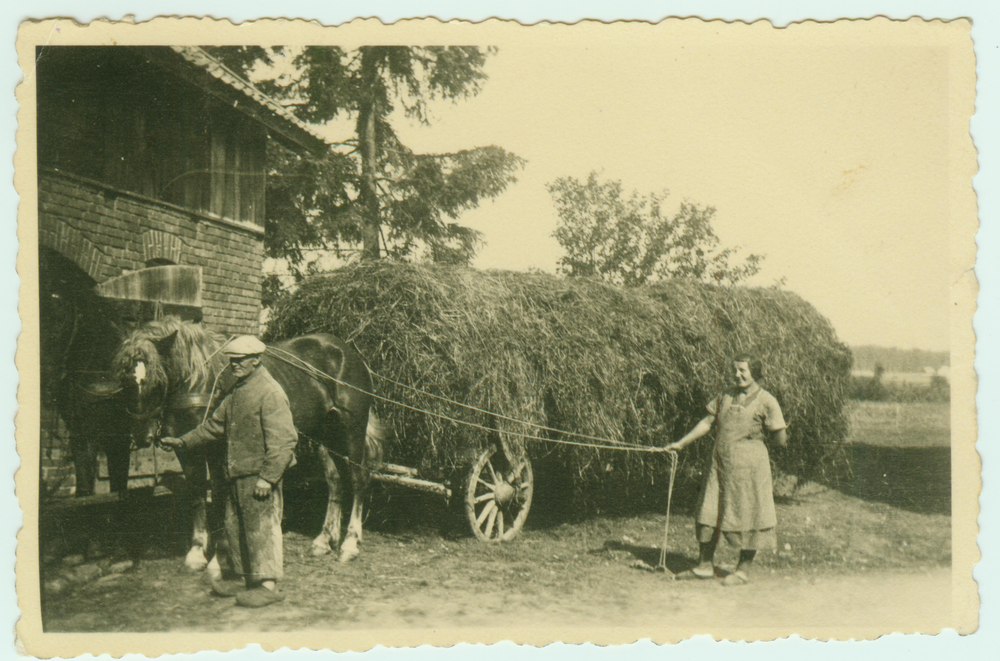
<point x="500" y="415"/>
<point x="211" y="397"/>
<point x="670" y="495"/>
<point x="313" y="441"/>
<point x="604" y="444"/>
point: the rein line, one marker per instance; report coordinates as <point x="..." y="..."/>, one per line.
<point x="603" y="443"/>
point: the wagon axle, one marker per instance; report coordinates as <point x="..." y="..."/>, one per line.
<point x="496" y="502"/>
<point x="503" y="493"/>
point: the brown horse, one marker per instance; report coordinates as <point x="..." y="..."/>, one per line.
<point x="168" y="369"/>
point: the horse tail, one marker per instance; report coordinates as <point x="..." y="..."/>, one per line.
<point x="374" y="435"/>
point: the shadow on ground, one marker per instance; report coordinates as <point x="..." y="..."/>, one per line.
<point x="917" y="479"/>
<point x="649" y="556"/>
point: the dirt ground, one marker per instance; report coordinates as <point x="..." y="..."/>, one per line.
<point x="877" y="551"/>
<point x="892" y="566"/>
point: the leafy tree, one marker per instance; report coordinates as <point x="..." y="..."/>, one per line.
<point x="372" y="190"/>
<point x="630" y="240"/>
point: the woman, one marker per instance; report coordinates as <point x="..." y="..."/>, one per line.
<point x="737" y="499"/>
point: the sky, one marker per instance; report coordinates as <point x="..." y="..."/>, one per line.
<point x="831" y="161"/>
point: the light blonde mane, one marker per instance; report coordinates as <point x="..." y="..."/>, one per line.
<point x="192" y="362"/>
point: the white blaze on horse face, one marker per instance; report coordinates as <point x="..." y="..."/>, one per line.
<point x="140" y="373"/>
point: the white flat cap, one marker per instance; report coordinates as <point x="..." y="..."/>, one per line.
<point x="244" y="345"/>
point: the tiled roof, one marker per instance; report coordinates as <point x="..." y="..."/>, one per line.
<point x="295" y="128"/>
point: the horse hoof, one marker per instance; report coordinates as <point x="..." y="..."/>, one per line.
<point x="214" y="570"/>
<point x="321" y="549"/>
<point x="349" y="551"/>
<point x="195" y="560"/>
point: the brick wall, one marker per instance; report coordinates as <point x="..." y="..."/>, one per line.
<point x="57" y="476"/>
<point x="80" y="218"/>
<point x="107" y="233"/>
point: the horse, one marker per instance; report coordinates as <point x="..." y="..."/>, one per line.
<point x="88" y="397"/>
<point x="169" y="368"/>
<point x="79" y="334"/>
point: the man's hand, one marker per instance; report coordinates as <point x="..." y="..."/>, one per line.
<point x="170" y="443"/>
<point x="673" y="447"/>
<point x="263" y="489"/>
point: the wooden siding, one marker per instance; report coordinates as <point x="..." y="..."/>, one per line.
<point x="107" y="114"/>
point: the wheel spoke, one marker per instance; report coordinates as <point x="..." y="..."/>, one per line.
<point x="489" y="522"/>
<point x="486" y="484"/>
<point x="516" y="475"/>
<point x="496" y="480"/>
<point x="490" y="506"/>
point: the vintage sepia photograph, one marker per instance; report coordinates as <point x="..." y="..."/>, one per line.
<point x="449" y="332"/>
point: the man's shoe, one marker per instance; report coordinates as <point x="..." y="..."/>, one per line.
<point x="258" y="598"/>
<point x="227" y="588"/>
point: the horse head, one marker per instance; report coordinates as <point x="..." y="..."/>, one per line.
<point x="140" y="366"/>
<point x="167" y="368"/>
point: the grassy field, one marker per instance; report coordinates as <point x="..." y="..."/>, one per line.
<point x="901" y="455"/>
<point x="912" y="378"/>
<point x="889" y="424"/>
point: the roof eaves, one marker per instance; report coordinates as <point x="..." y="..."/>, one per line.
<point x="284" y="122"/>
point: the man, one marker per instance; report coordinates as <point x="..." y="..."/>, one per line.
<point x="256" y="421"/>
<point x="737" y="500"/>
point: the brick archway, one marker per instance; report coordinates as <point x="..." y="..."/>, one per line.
<point x="73" y="245"/>
<point x="161" y="247"/>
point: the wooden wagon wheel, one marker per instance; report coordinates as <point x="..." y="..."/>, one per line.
<point x="498" y="495"/>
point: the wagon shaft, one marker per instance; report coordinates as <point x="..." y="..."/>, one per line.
<point x="413" y="483"/>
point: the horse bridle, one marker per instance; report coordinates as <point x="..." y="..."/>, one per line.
<point x="140" y="415"/>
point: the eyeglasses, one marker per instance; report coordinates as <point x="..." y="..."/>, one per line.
<point x="239" y="360"/>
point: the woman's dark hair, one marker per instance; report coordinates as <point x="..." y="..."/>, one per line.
<point x="755" y="364"/>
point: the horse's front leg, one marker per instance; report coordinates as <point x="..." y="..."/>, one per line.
<point x="216" y="458"/>
<point x="123" y="517"/>
<point x="84" y="460"/>
<point x="330" y="534"/>
<point x="194" y="494"/>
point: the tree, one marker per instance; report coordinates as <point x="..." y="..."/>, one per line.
<point x="629" y="240"/>
<point x="372" y="191"/>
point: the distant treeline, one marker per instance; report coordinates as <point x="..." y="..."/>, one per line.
<point x="866" y="358"/>
<point x="874" y="389"/>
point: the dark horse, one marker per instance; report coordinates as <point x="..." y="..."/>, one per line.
<point x="168" y="369"/>
<point x="78" y="344"/>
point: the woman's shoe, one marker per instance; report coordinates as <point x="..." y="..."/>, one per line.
<point x="738" y="577"/>
<point x="696" y="572"/>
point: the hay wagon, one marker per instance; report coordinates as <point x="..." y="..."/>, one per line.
<point x="559" y="358"/>
<point x="495" y="491"/>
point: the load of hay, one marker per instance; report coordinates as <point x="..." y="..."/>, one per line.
<point x="630" y="365"/>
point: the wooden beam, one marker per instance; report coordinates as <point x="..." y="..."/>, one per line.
<point x="412" y="483"/>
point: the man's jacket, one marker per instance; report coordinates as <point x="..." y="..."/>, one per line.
<point x="256" y="421"/>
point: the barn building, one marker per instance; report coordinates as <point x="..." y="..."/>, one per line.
<point x="151" y="185"/>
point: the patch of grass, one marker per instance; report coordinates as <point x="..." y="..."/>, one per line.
<point x="890" y="424"/>
<point x="901" y="455"/>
